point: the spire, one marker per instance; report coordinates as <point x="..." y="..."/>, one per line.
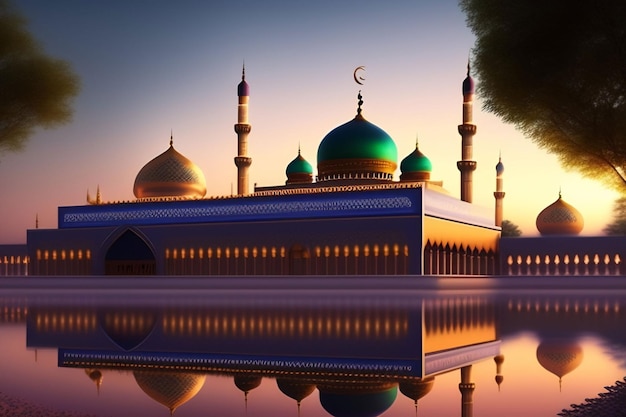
<point x="171" y="137"/>
<point x="37" y="221"/>
<point x="360" y="103"/>
<point x="243" y="71"/>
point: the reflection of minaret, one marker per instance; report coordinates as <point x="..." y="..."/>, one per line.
<point x="467" y="392"/>
<point x="499" y="359"/>
<point x="499" y="193"/>
<point x="416" y="389"/>
<point x="242" y="128"/>
<point x="467" y="130"/>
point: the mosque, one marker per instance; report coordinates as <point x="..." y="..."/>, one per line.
<point x="351" y="218"/>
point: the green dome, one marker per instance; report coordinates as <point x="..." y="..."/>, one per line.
<point x="416" y="161"/>
<point x="357" y="139"/>
<point x="299" y="166"/>
<point x="357" y="148"/>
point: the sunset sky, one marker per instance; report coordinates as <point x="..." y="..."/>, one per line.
<point x="151" y="67"/>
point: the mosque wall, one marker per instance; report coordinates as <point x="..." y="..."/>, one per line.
<point x="563" y="255"/>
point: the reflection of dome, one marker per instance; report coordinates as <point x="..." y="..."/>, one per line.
<point x="170" y="175"/>
<point x="357" y="149"/>
<point x="559" y="357"/>
<point x="417" y="388"/>
<point x="96" y="376"/>
<point x="560" y="218"/>
<point x="299" y="171"/>
<point x="295" y="389"/>
<point x="247" y="383"/>
<point x="415" y="167"/>
<point x="172" y="389"/>
<point x="350" y="399"/>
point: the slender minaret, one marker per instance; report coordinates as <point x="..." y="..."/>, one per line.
<point x="499" y="193"/>
<point x="467" y="130"/>
<point x="242" y="128"/>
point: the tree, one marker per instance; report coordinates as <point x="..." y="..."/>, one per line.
<point x="35" y="89"/>
<point x="557" y="71"/>
<point x="510" y="229"/>
<point x="618" y="226"/>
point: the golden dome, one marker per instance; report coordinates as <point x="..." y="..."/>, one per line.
<point x="171" y="389"/>
<point x="560" y="218"/>
<point x="170" y="175"/>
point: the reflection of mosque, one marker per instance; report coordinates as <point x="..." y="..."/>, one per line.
<point x="363" y="354"/>
<point x="123" y="340"/>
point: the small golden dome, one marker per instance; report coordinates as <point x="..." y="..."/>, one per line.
<point x="170" y="175"/>
<point x="560" y="218"/>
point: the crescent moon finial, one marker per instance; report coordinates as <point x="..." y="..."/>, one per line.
<point x="357" y="78"/>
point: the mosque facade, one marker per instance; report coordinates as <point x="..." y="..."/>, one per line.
<point x="351" y="218"/>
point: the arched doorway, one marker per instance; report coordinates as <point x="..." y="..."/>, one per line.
<point x="129" y="255"/>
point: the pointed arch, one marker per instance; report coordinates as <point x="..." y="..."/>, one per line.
<point x="128" y="253"/>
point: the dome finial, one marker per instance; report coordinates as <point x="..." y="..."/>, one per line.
<point x="468" y="65"/>
<point x="360" y="97"/>
<point x="243" y="71"/>
<point x="417" y="141"/>
<point x="171" y="137"/>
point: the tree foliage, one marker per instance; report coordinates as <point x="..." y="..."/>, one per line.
<point x="510" y="229"/>
<point x="618" y="226"/>
<point x="557" y="70"/>
<point x="35" y="89"/>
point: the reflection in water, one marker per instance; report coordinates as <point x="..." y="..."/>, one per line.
<point x="559" y="356"/>
<point x="355" y="353"/>
<point x="361" y="354"/>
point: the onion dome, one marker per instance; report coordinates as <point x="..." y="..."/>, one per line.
<point x="499" y="167"/>
<point x="415" y="167"/>
<point x="171" y="389"/>
<point x="299" y="171"/>
<point x="560" y="218"/>
<point x="357" y="149"/>
<point x="243" y="89"/>
<point x="170" y="175"/>
<point x="468" y="82"/>
<point x="559" y="357"/>
<point x="357" y="399"/>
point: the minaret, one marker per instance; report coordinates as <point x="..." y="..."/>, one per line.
<point x="499" y="193"/>
<point x="242" y="128"/>
<point x="467" y="130"/>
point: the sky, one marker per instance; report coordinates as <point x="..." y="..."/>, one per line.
<point x="150" y="68"/>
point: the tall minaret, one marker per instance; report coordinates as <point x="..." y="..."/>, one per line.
<point x="242" y="128"/>
<point x="467" y="131"/>
<point x="499" y="193"/>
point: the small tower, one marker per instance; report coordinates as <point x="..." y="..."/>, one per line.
<point x="242" y="128"/>
<point x="467" y="130"/>
<point x="499" y="193"/>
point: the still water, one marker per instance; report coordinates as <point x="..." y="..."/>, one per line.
<point x="191" y="348"/>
